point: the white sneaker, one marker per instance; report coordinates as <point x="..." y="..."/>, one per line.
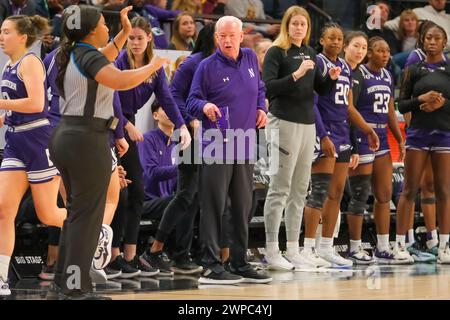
<point x="313" y="259"/>
<point x="360" y="256"/>
<point x="444" y="255"/>
<point x="276" y="261"/>
<point x="297" y="260"/>
<point x="401" y="255"/>
<point x="335" y="259"/>
<point x="103" y="253"/>
<point x="4" y="288"/>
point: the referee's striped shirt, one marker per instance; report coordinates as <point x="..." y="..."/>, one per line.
<point x="80" y="88"/>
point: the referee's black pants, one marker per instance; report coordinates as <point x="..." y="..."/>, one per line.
<point x="217" y="182"/>
<point x="80" y="150"/>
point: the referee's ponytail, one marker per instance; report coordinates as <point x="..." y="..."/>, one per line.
<point x="78" y="22"/>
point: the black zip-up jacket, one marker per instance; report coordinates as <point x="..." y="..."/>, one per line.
<point x="419" y="80"/>
<point x="293" y="100"/>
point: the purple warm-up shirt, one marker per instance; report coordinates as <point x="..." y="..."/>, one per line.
<point x="159" y="170"/>
<point x="233" y="84"/>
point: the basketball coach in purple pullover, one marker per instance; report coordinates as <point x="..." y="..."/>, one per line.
<point x="228" y="78"/>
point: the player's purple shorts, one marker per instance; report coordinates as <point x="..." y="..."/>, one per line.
<point x="27" y="150"/>
<point x="428" y="140"/>
<point x="339" y="133"/>
<point x="367" y="156"/>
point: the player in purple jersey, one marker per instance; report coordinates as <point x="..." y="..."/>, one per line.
<point x="374" y="98"/>
<point x="139" y="52"/>
<point x="330" y="169"/>
<point x="419" y="54"/>
<point x="425" y="93"/>
<point x="26" y="162"/>
<point x="355" y="51"/>
<point x="428" y="199"/>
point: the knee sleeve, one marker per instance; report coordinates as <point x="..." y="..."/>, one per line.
<point x="319" y="190"/>
<point x="428" y="201"/>
<point x="360" y="187"/>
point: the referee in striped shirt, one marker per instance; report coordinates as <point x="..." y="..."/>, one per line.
<point x="79" y="146"/>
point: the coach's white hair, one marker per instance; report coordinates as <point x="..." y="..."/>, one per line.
<point x="228" y="19"/>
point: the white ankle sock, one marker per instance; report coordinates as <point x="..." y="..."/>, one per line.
<point x="443" y="240"/>
<point x="410" y="238"/>
<point x="292" y="247"/>
<point x="400" y="239"/>
<point x="434" y="241"/>
<point x="383" y="242"/>
<point x="309" y="243"/>
<point x="4" y="266"/>
<point x="354" y="245"/>
<point x="326" y="244"/>
<point x="272" y="247"/>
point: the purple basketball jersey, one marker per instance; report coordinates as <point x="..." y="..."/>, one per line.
<point x="377" y="90"/>
<point x="418" y="55"/>
<point x="52" y="90"/>
<point x="13" y="87"/>
<point x="334" y="105"/>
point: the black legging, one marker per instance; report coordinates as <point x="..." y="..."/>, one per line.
<point x="127" y="219"/>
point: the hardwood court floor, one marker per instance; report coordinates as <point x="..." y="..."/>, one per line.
<point x="419" y="281"/>
<point x="404" y="282"/>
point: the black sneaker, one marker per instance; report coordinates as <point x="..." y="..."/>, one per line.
<point x="156" y="260"/>
<point x="127" y="269"/>
<point x="250" y="275"/>
<point x="47" y="273"/>
<point x="224" y="277"/>
<point x="112" y="273"/>
<point x="146" y="269"/>
<point x="185" y="265"/>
